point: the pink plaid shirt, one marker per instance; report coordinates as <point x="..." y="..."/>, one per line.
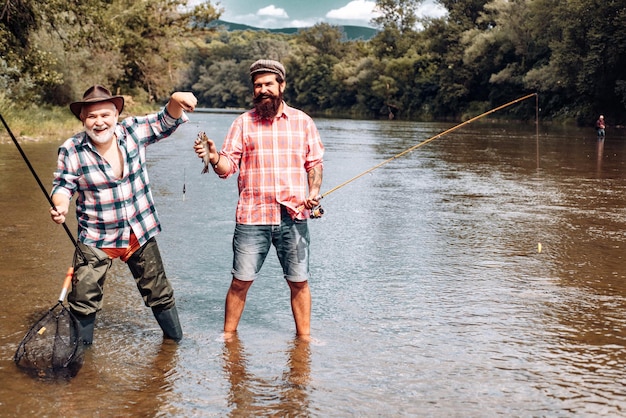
<point x="273" y="158"/>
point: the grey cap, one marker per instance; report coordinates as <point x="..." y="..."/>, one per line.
<point x="267" y="66"/>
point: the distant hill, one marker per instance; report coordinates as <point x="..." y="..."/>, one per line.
<point x="352" y="32"/>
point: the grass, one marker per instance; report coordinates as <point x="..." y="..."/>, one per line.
<point x="40" y="124"/>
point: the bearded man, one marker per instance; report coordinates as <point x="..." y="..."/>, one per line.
<point x="105" y="168"/>
<point x="279" y="154"/>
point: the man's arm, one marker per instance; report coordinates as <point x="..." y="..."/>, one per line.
<point x="314" y="177"/>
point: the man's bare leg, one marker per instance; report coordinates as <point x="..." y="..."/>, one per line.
<point x="301" y="307"/>
<point x="235" y="302"/>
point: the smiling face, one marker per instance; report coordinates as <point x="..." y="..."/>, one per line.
<point x="99" y="120"/>
<point x="268" y="95"/>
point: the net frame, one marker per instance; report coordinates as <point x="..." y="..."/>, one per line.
<point x="52" y="347"/>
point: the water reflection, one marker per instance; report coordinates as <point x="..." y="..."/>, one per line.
<point x="102" y="381"/>
<point x="599" y="155"/>
<point x="158" y="384"/>
<point x="250" y="395"/>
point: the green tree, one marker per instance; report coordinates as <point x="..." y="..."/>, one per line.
<point x="561" y="49"/>
<point x="398" y="25"/>
<point x="53" y="49"/>
<point x="325" y="38"/>
<point x="310" y="84"/>
<point x="150" y="41"/>
<point x="456" y="81"/>
<point x="355" y="77"/>
<point x="219" y="65"/>
<point x="26" y="69"/>
<point x="502" y="54"/>
<point x="398" y="14"/>
<point x="223" y="84"/>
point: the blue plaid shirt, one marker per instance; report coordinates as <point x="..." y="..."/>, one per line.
<point x="109" y="208"/>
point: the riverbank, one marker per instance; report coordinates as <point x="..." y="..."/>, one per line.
<point x="40" y="124"/>
<point x="55" y="124"/>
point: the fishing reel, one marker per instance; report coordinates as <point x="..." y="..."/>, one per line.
<point x="317" y="212"/>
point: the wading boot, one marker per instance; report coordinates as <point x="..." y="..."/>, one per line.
<point x="169" y="323"/>
<point x="85" y="327"/>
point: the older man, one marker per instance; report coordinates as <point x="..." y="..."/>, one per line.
<point x="278" y="152"/>
<point x="105" y="167"/>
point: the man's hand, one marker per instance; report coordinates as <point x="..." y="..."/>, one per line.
<point x="181" y="101"/>
<point x="312" y="201"/>
<point x="201" y="150"/>
<point x="60" y="209"/>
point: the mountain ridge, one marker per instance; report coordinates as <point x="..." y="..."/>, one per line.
<point x="351" y="32"/>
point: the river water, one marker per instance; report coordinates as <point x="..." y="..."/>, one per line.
<point x="479" y="275"/>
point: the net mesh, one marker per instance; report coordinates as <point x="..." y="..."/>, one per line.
<point x="52" y="347"/>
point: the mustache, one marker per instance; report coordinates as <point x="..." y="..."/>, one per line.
<point x="264" y="96"/>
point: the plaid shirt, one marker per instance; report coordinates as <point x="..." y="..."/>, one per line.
<point x="108" y="208"/>
<point x="273" y="158"/>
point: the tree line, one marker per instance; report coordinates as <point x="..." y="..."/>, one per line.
<point x="482" y="54"/>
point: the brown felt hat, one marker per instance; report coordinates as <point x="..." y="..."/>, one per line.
<point x="96" y="94"/>
<point x="267" y="66"/>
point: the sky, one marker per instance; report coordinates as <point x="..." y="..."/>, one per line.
<point x="305" y="13"/>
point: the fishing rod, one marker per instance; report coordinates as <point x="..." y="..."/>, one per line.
<point x="184" y="183"/>
<point x="41" y="186"/>
<point x="317" y="212"/>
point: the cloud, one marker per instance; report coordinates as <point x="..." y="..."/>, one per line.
<point x="273" y="17"/>
<point x="362" y="10"/>
<point x="303" y="23"/>
<point x="355" y="12"/>
<point x="273" y="11"/>
<point x="431" y="9"/>
<point x="266" y="17"/>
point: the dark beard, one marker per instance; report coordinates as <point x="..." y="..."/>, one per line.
<point x="267" y="109"/>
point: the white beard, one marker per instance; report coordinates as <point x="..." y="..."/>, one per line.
<point x="101" y="137"/>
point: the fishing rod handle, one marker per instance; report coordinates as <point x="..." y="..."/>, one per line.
<point x="66" y="283"/>
<point x="316" y="212"/>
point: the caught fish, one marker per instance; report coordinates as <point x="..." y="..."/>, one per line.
<point x="204" y="140"/>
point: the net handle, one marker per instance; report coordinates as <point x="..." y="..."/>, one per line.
<point x="66" y="283"/>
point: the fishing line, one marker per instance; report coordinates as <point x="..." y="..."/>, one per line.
<point x="421" y="144"/>
<point x="539" y="246"/>
<point x="41" y="186"/>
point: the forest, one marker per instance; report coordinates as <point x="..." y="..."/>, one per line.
<point x="482" y="54"/>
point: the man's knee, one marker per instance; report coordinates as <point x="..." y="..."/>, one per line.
<point x="297" y="286"/>
<point x="240" y="286"/>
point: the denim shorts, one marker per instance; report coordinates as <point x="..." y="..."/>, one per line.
<point x="251" y="244"/>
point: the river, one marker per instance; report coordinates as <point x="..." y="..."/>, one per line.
<point x="479" y="275"/>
